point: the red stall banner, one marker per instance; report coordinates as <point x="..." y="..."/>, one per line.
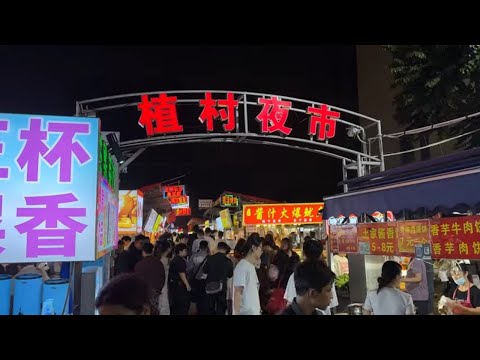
<point x="382" y="238"/>
<point x="411" y="233"/>
<point x="455" y="238"/>
<point x="259" y="214"/>
<point x="345" y="238"/>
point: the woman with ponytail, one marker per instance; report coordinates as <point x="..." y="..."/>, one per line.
<point x="388" y="299"/>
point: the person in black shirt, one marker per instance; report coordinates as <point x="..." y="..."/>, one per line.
<point x="286" y="259"/>
<point x="178" y="285"/>
<point x="465" y="294"/>
<point x="135" y="252"/>
<point x="182" y="239"/>
<point x="218" y="268"/>
<point x="313" y="284"/>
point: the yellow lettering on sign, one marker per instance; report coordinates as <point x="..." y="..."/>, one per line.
<point x="259" y="213"/>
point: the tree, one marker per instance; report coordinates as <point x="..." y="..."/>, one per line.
<point x="436" y="83"/>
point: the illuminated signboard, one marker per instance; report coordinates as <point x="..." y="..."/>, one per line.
<point x="48" y="188"/>
<point x="107" y="165"/>
<point x="159" y="115"/>
<point x="229" y="200"/>
<point x="282" y="214"/>
<point x="180" y="202"/>
<point x="173" y="191"/>
<point x="455" y="238"/>
<point x="157" y="224"/>
<point x="151" y="219"/>
<point x="382" y="238"/>
<point x="130" y="210"/>
<point x="176" y="195"/>
<point x="107" y="218"/>
<point x="183" y="212"/>
<point x="226" y="219"/>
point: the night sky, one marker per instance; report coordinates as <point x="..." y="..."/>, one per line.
<point x="49" y="79"/>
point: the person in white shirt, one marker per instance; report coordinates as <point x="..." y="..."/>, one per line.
<point x="312" y="250"/>
<point x="202" y="237"/>
<point x="340" y="264"/>
<point x="388" y="299"/>
<point x="246" y="299"/>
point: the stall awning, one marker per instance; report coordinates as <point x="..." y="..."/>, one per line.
<point x="445" y="183"/>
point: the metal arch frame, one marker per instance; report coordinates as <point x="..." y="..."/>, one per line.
<point x="160" y="139"/>
<point x="362" y="162"/>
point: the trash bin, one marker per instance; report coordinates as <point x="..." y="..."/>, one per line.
<point x="5" y="284"/>
<point x="58" y="291"/>
<point x="27" y="296"/>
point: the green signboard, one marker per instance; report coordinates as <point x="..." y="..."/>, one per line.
<point x="107" y="164"/>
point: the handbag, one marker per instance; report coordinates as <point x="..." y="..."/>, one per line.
<point x="213" y="287"/>
<point x="200" y="267"/>
<point x="276" y="302"/>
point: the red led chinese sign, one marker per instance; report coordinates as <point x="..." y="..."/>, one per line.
<point x="183" y="212"/>
<point x="159" y="115"/>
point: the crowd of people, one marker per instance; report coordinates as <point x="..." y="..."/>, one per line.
<point x="199" y="274"/>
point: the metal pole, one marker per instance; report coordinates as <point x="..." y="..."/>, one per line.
<point x="359" y="166"/>
<point x="345" y="175"/>
<point x="77" y="286"/>
<point x="380" y="147"/>
<point x="131" y="159"/>
<point x="237" y="113"/>
<point x="369" y="147"/>
<point x="245" y="113"/>
<point x="366" y="149"/>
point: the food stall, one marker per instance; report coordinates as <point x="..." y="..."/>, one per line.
<point x="294" y="221"/>
<point x="425" y="199"/>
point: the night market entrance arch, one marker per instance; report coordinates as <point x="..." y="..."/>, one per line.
<point x="248" y="118"/>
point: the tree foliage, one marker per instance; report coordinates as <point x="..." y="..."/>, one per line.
<point x="436" y="83"/>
